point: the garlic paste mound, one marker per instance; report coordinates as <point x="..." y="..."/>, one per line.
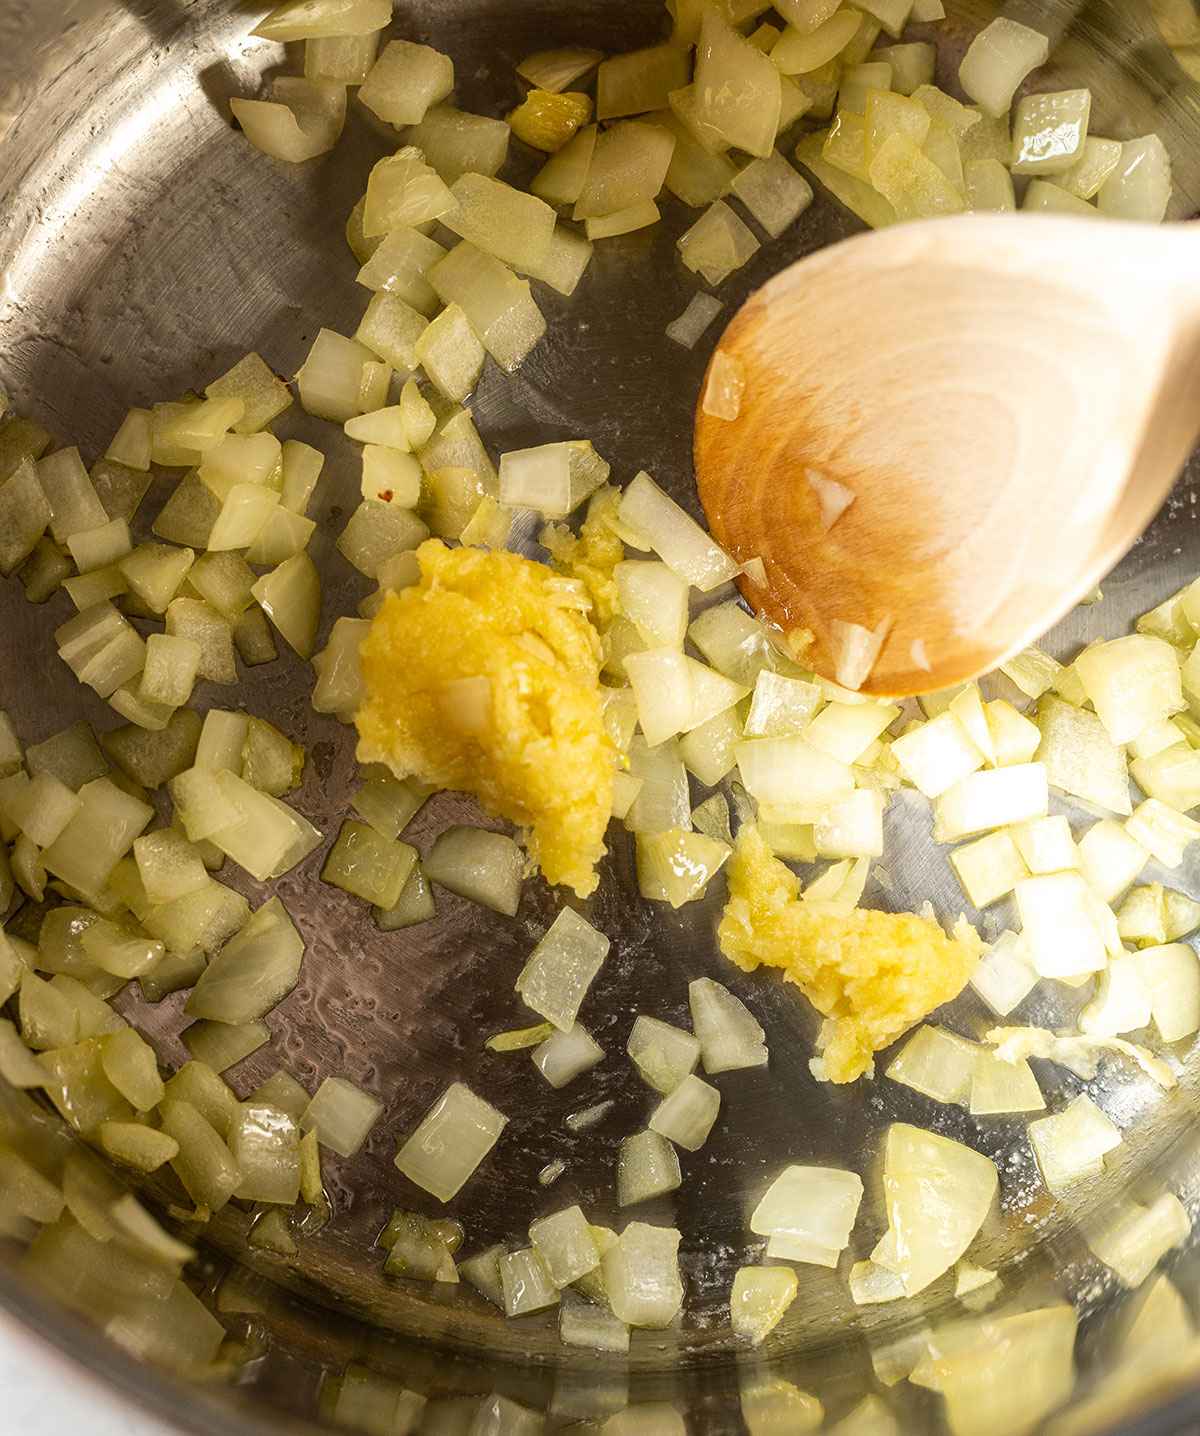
<point x="484" y="677"/>
<point x="872" y="975"/>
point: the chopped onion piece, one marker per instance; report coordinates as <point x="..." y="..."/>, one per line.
<point x="526" y="1284"/>
<point x="1000" y="57"/>
<point x="641" y="1276"/>
<point x="1071" y="1145"/>
<point x="1110" y="858"/>
<point x="1004" y="977"/>
<point x="561" y="968"/>
<point x="483" y="1272"/>
<point x="1122" y="1000"/>
<point x="582" y="1323"/>
<point x="405" y="81"/>
<point x="1049" y="131"/>
<point x="562" y="178"/>
<point x="370" y="866"/>
<point x="663" y="1055"/>
<point x="1133" y="1239"/>
<point x="938" y="1194"/>
<point x="1171" y="974"/>
<point x="303" y="119"/>
<point x="871" y="1284"/>
<point x="1059" y="923"/>
<point x="1139" y="188"/>
<point x="729" y="1035"/>
<point x="558" y="70"/>
<point x="761" y="1296"/>
<point x="993" y="799"/>
<point x="686" y="1115"/>
<point x="702" y="309"/>
<point x="564" y="1243"/>
<point x="724" y="387"/>
<point x="1163" y="832"/>
<point x="253" y="972"/>
<point x="938" y="1064"/>
<point x="988" y="868"/>
<point x="809" y="1213"/>
<point x="789" y="773"/>
<point x="456" y="143"/>
<point x="455" y="1135"/>
<point x="717" y="244"/>
<point x="562" y="1056"/>
<point x="588" y="1116"/>
<point x="1133" y="682"/>
<point x="999" y="1087"/>
<point x="647" y="1167"/>
<point x="482" y="866"/>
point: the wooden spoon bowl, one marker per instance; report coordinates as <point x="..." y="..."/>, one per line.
<point x="1004" y="400"/>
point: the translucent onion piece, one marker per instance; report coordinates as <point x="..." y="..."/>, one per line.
<point x="761" y="1296"/>
<point x="1172" y="978"/>
<point x="687" y="1114"/>
<point x="253" y="972"/>
<point x="1080" y="758"/>
<point x="717" y="244"/>
<point x="1049" y="131"/>
<point x="558" y="70"/>
<point x="1162" y="832"/>
<point x="482" y="866"/>
<point x="304" y="118"/>
<point x="1059" y="923"/>
<point x="1072" y="1144"/>
<point x="937" y="1063"/>
<point x="1139" y="188"/>
<point x="1004" y="977"/>
<point x="723" y="388"/>
<point x="1132" y="682"/>
<point x="1133" y="1239"/>
<point x="517" y="228"/>
<point x="993" y="799"/>
<point x="562" y="1056"/>
<point x="561" y="968"/>
<point x="1001" y="1087"/>
<point x="456" y="143"/>
<point x="687" y="329"/>
<point x="405" y="81"/>
<point x="526" y="1283"/>
<point x="483" y="1273"/>
<point x="342" y="1115"/>
<point x="562" y="178"/>
<point x="453" y="1138"/>
<point x="290" y="596"/>
<point x="937" y="1193"/>
<point x="809" y="1213"/>
<point x="497" y="304"/>
<point x="773" y="193"/>
<point x="737" y="87"/>
<point x="998" y="60"/>
<point x="663" y="1055"/>
<point x="641" y="1276"/>
<point x="647" y="1167"/>
<point x="677" y="866"/>
<point x="266" y="1146"/>
<point x="628" y="166"/>
<point x="729" y="1035"/>
<point x="789" y="773"/>
<point x="582" y="1323"/>
<point x="564" y="1243"/>
<point x="205" y="1165"/>
<point x="305" y="19"/>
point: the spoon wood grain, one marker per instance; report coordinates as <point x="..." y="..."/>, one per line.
<point x="1007" y="399"/>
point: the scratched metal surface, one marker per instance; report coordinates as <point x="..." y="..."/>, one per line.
<point x="143" y="248"/>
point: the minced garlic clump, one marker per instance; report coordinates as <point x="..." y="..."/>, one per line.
<point x="872" y="975"/>
<point x="485" y="677"/>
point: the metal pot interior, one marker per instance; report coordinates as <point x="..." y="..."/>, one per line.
<point x="144" y="249"/>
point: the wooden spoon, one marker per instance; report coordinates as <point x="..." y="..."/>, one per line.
<point x="1003" y="401"/>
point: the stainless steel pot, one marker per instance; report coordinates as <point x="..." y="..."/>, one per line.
<point x="144" y="247"/>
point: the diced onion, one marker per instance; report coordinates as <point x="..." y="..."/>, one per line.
<point x="453" y="1138"/>
<point x="938" y="1193"/>
<point x="717" y="244"/>
<point x="1072" y="1144"/>
<point x="561" y="968"/>
<point x="404" y="82"/>
<point x="641" y="1276"/>
<point x="564" y="1243"/>
<point x="1133" y="1239"/>
<point x="526" y="1283"/>
<point x="809" y="1213"/>
<point x="761" y="1296"/>
<point x="482" y="866"/>
<point x="686" y="330"/>
<point x="663" y="1055"/>
<point x="562" y="1056"/>
<point x="730" y="1036"/>
<point x="998" y="60"/>
<point x="647" y="1167"/>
